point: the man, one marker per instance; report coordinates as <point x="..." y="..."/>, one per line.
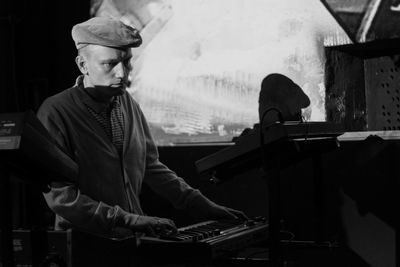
<point x="105" y="132"/>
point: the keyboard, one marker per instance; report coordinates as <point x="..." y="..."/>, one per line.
<point x="205" y="241"/>
<point x="288" y="140"/>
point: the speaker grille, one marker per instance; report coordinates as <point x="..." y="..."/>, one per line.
<point x="382" y="78"/>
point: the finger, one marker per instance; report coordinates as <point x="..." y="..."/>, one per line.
<point x="168" y="225"/>
<point x="167" y="232"/>
<point x="164" y="226"/>
<point x="157" y="225"/>
<point x="172" y="225"/>
<point x="230" y="215"/>
<point x="173" y="229"/>
<point x="241" y="215"/>
<point x="150" y="231"/>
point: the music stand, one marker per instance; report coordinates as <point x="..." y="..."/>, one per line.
<point x="28" y="149"/>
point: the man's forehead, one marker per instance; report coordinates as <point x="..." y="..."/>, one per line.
<point x="109" y="52"/>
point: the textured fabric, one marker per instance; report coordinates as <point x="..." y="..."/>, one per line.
<point x="106" y="196"/>
<point x="103" y="119"/>
<point x="105" y="32"/>
<point x="117" y="127"/>
<point x="111" y="120"/>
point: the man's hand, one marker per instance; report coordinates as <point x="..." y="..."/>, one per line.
<point x="221" y="212"/>
<point x="155" y="226"/>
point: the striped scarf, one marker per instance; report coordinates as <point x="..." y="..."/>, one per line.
<point x="112" y="121"/>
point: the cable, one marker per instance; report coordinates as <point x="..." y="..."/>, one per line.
<point x="265" y="112"/>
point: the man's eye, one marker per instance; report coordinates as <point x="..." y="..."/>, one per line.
<point x="108" y="65"/>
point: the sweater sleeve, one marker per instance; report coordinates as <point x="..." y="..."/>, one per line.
<point x="166" y="183"/>
<point x="66" y="200"/>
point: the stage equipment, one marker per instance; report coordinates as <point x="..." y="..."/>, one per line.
<point x="72" y="248"/>
<point x="362" y="78"/>
<point x="204" y="242"/>
<point x="273" y="148"/>
<point x="28" y="149"/>
<point x="246" y="152"/>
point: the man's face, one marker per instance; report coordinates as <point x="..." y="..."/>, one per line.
<point x="106" y="69"/>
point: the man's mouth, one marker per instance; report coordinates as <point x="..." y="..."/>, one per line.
<point x="118" y="85"/>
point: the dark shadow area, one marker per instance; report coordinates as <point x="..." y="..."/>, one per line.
<point x="365" y="178"/>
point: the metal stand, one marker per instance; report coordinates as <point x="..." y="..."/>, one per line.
<point x="305" y="150"/>
<point x="318" y="196"/>
<point x="274" y="214"/>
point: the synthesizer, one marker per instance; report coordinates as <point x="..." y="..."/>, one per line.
<point x="288" y="139"/>
<point x="204" y="241"/>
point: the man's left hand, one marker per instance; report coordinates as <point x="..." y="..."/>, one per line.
<point x="221" y="212"/>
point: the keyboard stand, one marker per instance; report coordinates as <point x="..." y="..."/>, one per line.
<point x="288" y="151"/>
<point x="274" y="149"/>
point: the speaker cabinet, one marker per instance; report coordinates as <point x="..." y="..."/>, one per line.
<point x="363" y="88"/>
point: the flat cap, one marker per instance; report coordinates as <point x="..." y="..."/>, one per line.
<point x="105" y="31"/>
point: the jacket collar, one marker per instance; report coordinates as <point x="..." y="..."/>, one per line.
<point x="98" y="107"/>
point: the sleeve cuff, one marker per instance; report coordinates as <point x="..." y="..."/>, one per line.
<point x="125" y="219"/>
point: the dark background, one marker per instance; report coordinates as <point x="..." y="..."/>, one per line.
<point x="37" y="54"/>
<point x="37" y="50"/>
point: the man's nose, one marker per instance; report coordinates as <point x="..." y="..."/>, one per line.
<point x="120" y="70"/>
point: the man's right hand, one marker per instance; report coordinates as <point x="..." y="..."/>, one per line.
<point x="155" y="226"/>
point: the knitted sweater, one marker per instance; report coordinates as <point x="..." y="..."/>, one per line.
<point x="106" y="195"/>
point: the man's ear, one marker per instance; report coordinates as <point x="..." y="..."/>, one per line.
<point x="82" y="64"/>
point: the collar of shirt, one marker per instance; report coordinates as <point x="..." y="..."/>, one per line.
<point x="90" y="102"/>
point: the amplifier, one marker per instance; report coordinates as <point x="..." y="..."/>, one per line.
<point x="71" y="249"/>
